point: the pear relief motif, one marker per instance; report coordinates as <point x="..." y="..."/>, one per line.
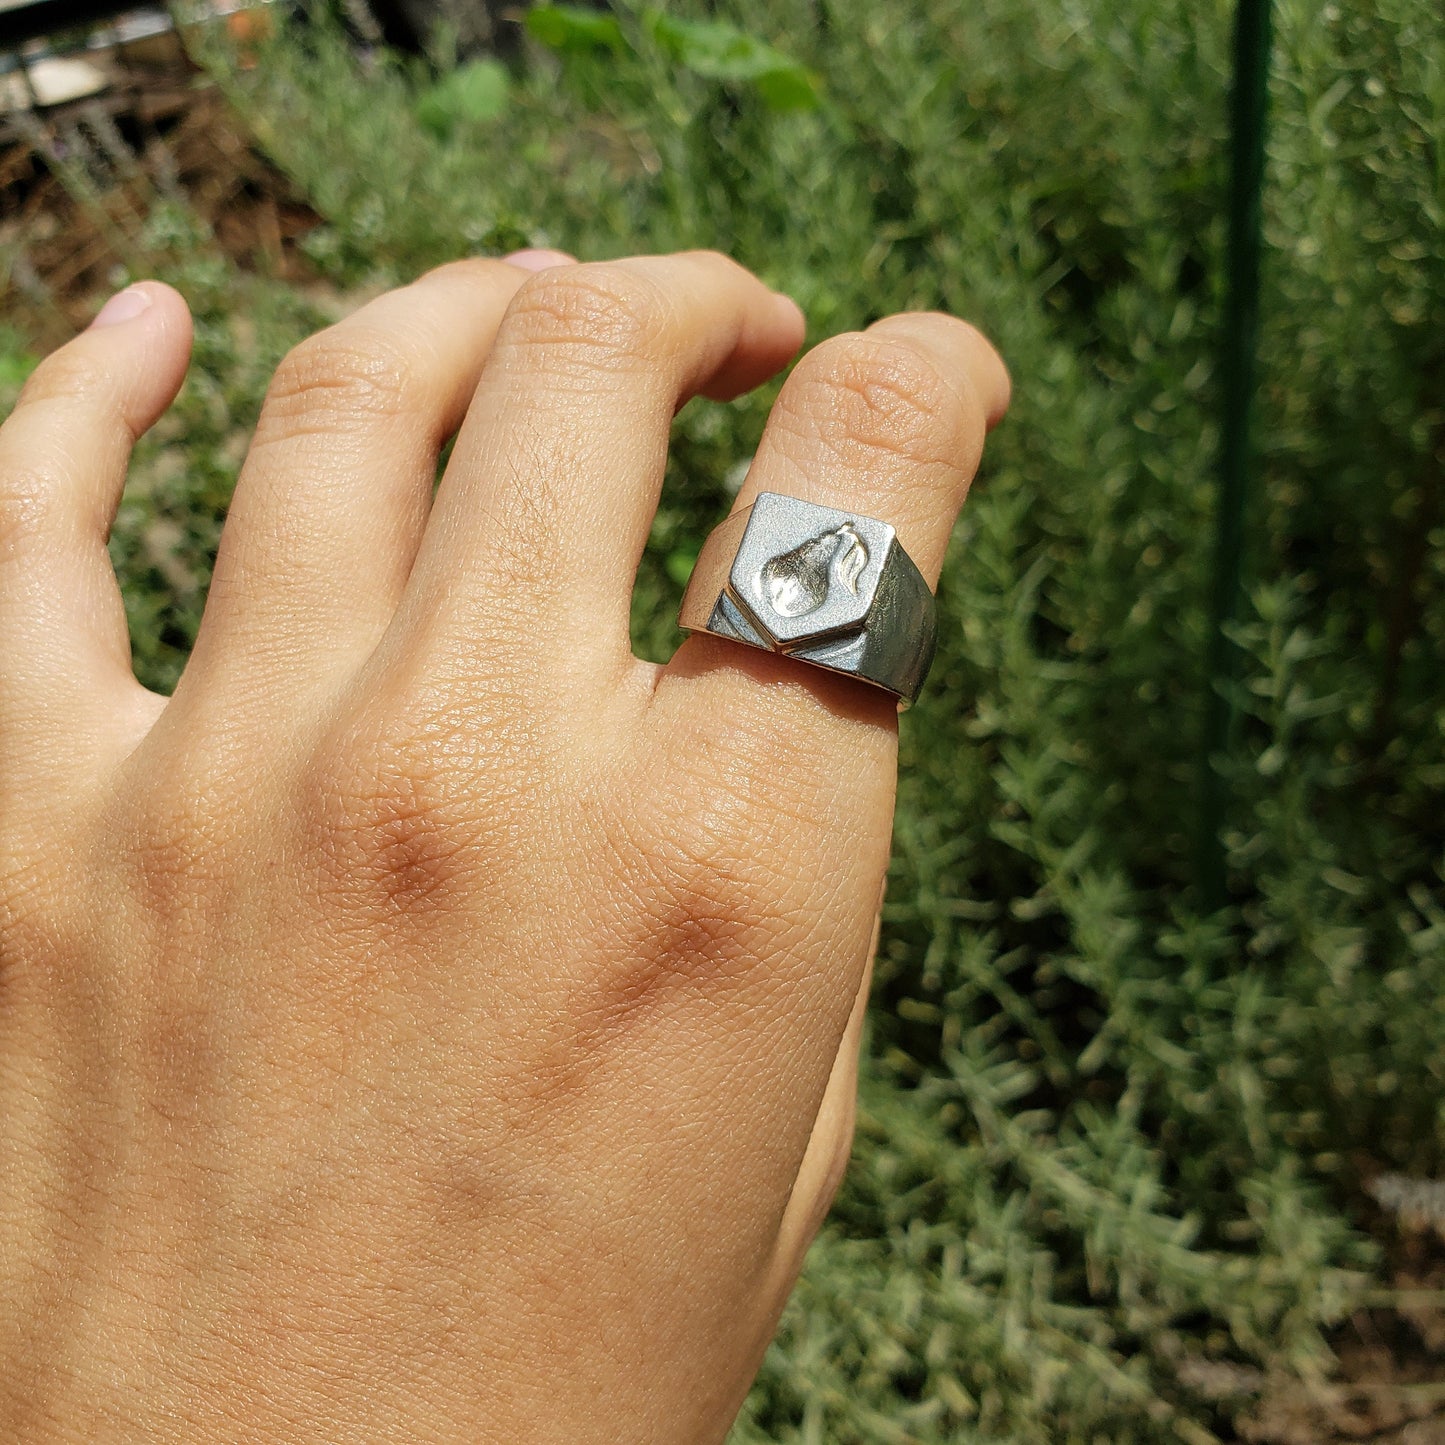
<point x="797" y="582"/>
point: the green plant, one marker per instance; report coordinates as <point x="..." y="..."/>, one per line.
<point x="1106" y="1137"/>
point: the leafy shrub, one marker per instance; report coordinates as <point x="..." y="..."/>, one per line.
<point x="1105" y="1137"/>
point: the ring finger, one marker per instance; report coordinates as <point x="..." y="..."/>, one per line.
<point x="888" y="423"/>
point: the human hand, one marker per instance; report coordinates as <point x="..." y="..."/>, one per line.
<point x="433" y="1023"/>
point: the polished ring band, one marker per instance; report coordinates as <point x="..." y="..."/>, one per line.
<point x="831" y="588"/>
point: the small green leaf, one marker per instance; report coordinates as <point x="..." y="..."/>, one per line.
<point x="474" y="92"/>
<point x="570" y="29"/>
<point x="712" y="47"/>
<point x="1271" y="760"/>
<point x="791" y="88"/>
<point x="679" y="565"/>
<point x="719" y="51"/>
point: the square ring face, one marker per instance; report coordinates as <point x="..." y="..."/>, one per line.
<point x="804" y="572"/>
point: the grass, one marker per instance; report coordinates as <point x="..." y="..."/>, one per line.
<point x="1113" y="1147"/>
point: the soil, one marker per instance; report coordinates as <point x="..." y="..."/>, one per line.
<point x="77" y="181"/>
<point x="1388" y="1387"/>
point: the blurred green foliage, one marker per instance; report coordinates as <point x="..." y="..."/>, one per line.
<point x="1104" y="1139"/>
<point x="468" y="93"/>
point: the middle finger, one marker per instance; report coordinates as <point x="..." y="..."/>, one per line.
<point x="541" y="518"/>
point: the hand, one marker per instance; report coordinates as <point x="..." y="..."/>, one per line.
<point x="433" y="1023"/>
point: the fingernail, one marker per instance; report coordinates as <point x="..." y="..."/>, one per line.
<point x="532" y="260"/>
<point x="123" y="306"/>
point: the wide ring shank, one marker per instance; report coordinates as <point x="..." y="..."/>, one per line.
<point x="832" y="588"/>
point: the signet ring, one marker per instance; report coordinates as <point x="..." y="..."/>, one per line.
<point x="828" y="587"/>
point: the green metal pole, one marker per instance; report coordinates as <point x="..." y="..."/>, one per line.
<point x="1249" y="97"/>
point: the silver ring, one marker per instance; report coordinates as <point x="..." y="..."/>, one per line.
<point x="832" y="588"/>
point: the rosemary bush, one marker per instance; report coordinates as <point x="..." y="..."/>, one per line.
<point x="1105" y="1138"/>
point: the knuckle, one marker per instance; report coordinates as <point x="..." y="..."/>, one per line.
<point x="597" y="310"/>
<point x="701" y="908"/>
<point x="874" y="393"/>
<point x="485" y="269"/>
<point x="389" y="829"/>
<point x="721" y="262"/>
<point x="69" y="375"/>
<point x="699" y="917"/>
<point x="29" y="499"/>
<point x="685" y="923"/>
<point x="341" y="375"/>
<point x="65" y="390"/>
<point x="170" y="843"/>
